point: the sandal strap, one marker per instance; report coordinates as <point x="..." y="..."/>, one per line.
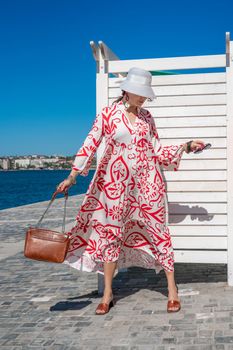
<point x="172" y="303"/>
<point x="103" y="307"/>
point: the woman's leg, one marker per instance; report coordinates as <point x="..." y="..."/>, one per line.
<point x="172" y="291"/>
<point x="109" y="269"/>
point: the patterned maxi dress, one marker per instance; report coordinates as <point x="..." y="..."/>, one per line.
<point x="123" y="216"/>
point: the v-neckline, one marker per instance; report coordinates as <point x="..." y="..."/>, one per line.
<point x="135" y="120"/>
<point x="125" y="114"/>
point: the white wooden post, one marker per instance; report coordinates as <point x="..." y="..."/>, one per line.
<point x="108" y="55"/>
<point x="102" y="55"/>
<point x="101" y="102"/>
<point x="229" y="78"/>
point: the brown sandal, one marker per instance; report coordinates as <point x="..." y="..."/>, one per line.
<point x="173" y="303"/>
<point x="104" y="307"/>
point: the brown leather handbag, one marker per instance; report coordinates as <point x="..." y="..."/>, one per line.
<point x="44" y="244"/>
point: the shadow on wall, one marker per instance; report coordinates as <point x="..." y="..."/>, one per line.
<point x="178" y="212"/>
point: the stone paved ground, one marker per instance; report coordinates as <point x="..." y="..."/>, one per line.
<point x="51" y="306"/>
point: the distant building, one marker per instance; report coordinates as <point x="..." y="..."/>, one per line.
<point x="5" y="164"/>
<point x="22" y="163"/>
<point x="50" y="160"/>
<point x="38" y="163"/>
<point x="35" y="162"/>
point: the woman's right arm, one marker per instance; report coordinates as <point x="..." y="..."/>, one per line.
<point x="85" y="154"/>
<point x="69" y="181"/>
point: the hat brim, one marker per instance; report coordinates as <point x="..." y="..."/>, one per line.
<point x="145" y="91"/>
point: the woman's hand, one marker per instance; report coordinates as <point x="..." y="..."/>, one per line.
<point x="66" y="184"/>
<point x="195" y="145"/>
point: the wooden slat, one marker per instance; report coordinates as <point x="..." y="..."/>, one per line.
<point x="206" y="154"/>
<point x="195" y="164"/>
<point x="180" y="79"/>
<point x="198" y="175"/>
<point x="198" y="100"/>
<point x="199" y="242"/>
<point x="183" y="111"/>
<point x="168" y="63"/>
<point x="180" y="90"/>
<point x="193" y="132"/>
<point x="199" y="197"/>
<point x="197" y="208"/>
<point x="164" y="122"/>
<point x="197" y="230"/>
<point x="201" y="256"/>
<point x="186" y="101"/>
<point x="198" y="219"/>
<point x="215" y="142"/>
<point x="187" y="111"/>
<point x="194" y="186"/>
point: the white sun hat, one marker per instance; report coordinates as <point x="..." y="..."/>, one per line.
<point x="138" y="81"/>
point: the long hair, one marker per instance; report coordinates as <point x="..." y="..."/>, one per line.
<point x="120" y="97"/>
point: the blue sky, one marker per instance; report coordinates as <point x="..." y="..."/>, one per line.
<point x="47" y="71"/>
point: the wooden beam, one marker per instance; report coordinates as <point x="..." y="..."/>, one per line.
<point x="170" y="63"/>
<point x="108" y="55"/>
<point x="96" y="54"/>
<point x="229" y="74"/>
<point x="106" y="52"/>
<point x="95" y="50"/>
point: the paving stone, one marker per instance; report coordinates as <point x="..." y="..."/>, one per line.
<point x="52" y="306"/>
<point x="219" y="347"/>
<point x="228" y="339"/>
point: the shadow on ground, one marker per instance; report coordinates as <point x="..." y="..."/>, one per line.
<point x="135" y="278"/>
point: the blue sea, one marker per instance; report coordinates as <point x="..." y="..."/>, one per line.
<point x="22" y="187"/>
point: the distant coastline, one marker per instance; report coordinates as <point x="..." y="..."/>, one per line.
<point x="39" y="162"/>
<point x="36" y="169"/>
<point x="27" y="187"/>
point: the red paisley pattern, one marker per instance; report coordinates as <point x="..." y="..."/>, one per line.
<point x="123" y="216"/>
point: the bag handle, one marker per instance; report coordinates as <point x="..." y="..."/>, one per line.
<point x="51" y="201"/>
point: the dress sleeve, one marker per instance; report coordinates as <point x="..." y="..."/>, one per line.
<point x="169" y="157"/>
<point x="84" y="156"/>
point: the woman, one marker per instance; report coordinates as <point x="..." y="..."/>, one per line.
<point x="122" y="221"/>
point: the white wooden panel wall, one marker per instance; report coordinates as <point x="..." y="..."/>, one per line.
<point x="191" y="106"/>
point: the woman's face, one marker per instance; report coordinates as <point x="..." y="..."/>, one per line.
<point x="136" y="100"/>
